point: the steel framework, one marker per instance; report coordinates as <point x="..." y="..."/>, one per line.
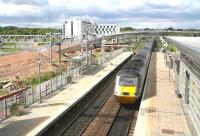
<point x="37" y="38"/>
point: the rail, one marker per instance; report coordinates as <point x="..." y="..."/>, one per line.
<point x="92" y="109"/>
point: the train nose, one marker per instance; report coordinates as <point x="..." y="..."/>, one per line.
<point x="126" y="99"/>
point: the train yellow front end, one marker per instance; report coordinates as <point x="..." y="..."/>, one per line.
<point x="125" y="90"/>
<point x="126" y="94"/>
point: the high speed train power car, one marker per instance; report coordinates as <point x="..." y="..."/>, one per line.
<point x="130" y="79"/>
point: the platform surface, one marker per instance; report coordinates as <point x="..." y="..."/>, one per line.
<point x="37" y="116"/>
<point x="161" y="112"/>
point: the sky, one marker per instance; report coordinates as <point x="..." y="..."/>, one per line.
<point x="134" y="13"/>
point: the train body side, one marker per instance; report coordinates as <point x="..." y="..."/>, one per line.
<point x="130" y="79"/>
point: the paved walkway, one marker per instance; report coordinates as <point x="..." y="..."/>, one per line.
<point x="161" y="112"/>
<point x="37" y="116"/>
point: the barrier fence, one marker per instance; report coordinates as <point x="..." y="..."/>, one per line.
<point x="13" y="104"/>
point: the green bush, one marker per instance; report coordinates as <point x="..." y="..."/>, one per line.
<point x="27" y="31"/>
<point x="2" y="92"/>
<point x="171" y="48"/>
<point x="124" y="29"/>
<point x="158" y="44"/>
<point x="16" y="109"/>
<point x="43" y="77"/>
<point x="10" y="49"/>
<point x="9" y="44"/>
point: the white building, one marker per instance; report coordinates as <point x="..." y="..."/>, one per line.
<point x="105" y="29"/>
<point x="77" y="27"/>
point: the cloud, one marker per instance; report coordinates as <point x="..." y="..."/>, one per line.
<point x="26" y="2"/>
<point x="155" y="13"/>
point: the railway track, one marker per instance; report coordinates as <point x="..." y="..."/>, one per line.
<point x="76" y="119"/>
<point x="124" y="121"/>
<point x="113" y="119"/>
<point x="77" y="126"/>
<point x="100" y="125"/>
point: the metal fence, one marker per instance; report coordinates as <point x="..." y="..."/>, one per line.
<point x="13" y="104"/>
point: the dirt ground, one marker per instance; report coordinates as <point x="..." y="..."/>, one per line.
<point x="24" y="64"/>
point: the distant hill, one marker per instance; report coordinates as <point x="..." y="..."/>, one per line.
<point x="10" y="27"/>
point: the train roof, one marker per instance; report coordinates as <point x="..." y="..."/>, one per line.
<point x="143" y="53"/>
<point x="136" y="62"/>
<point x="128" y="73"/>
<point x="148" y="46"/>
<point x="132" y="68"/>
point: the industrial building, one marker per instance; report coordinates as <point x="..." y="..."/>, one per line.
<point x="186" y="65"/>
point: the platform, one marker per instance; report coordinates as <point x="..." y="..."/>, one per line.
<point x="38" y="116"/>
<point x="161" y="112"/>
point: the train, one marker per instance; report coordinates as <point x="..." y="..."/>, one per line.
<point x="130" y="79"/>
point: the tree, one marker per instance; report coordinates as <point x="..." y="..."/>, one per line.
<point x="126" y="29"/>
<point x="12" y="30"/>
<point x="170" y="28"/>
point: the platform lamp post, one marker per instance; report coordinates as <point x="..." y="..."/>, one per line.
<point x="39" y="80"/>
<point x="39" y="72"/>
<point x="169" y="65"/>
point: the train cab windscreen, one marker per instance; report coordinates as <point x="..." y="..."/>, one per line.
<point x="125" y="81"/>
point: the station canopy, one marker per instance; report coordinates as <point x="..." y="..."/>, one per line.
<point x="190" y="46"/>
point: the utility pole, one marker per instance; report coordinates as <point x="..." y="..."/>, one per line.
<point x="59" y="44"/>
<point x="51" y="44"/>
<point x="102" y="51"/>
<point x="87" y="53"/>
